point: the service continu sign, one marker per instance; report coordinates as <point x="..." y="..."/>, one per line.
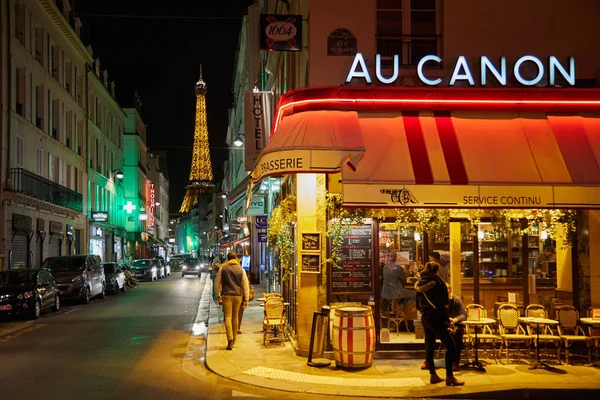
<point x="281" y="32"/>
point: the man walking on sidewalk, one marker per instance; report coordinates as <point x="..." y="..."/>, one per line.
<point x="232" y="286"/>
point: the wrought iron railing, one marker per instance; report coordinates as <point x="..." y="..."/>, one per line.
<point x="409" y="48"/>
<point x="26" y="182"/>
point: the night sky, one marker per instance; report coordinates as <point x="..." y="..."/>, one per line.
<point x="160" y="57"/>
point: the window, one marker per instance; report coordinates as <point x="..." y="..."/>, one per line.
<point x="39" y="45"/>
<point x="406" y="28"/>
<point x="39" y="161"/>
<point x="50" y="167"/>
<point x="20" y="106"/>
<point x="40" y="107"/>
<point x="20" y="152"/>
<point x="69" y="138"/>
<point x="20" y="22"/>
<point x="76" y="177"/>
<point x="56" y="119"/>
<point x="54" y="61"/>
<point x="97" y="155"/>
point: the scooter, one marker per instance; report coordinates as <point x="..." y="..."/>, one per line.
<point x="130" y="279"/>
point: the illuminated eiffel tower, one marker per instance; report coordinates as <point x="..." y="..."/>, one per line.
<point x="201" y="175"/>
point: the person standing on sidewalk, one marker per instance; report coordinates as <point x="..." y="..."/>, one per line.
<point x="435" y="320"/>
<point x="232" y="286"/>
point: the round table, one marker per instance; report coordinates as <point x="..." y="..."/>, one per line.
<point x="538" y="322"/>
<point x="480" y="322"/>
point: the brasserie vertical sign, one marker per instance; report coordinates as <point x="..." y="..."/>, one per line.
<point x="257" y="124"/>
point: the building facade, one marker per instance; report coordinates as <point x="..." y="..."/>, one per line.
<point x="158" y="203"/>
<point x="136" y="184"/>
<point x="105" y="170"/>
<point x="43" y="122"/>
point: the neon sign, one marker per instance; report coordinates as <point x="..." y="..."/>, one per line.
<point x="151" y="206"/>
<point x="462" y="71"/>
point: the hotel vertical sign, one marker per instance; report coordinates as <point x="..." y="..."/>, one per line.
<point x="257" y="122"/>
<point x="151" y="205"/>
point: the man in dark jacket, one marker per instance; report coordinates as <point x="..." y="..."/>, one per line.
<point x="435" y="320"/>
<point x="457" y="313"/>
<point x="232" y="286"/>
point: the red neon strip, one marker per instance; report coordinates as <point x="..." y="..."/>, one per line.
<point x="576" y="149"/>
<point x="451" y="149"/>
<point x="417" y="148"/>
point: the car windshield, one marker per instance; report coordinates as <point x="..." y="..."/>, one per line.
<point x="10" y="279"/>
<point x="64" y="263"/>
<point x="109" y="268"/>
<point x="142" y="263"/>
<point x="193" y="261"/>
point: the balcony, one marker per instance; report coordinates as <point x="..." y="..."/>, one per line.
<point x="409" y="48"/>
<point x="41" y="188"/>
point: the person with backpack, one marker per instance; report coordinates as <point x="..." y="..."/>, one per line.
<point x="432" y="301"/>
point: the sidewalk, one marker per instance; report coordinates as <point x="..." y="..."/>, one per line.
<point x="277" y="367"/>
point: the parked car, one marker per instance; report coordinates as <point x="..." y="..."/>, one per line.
<point x="192" y="266"/>
<point x="78" y="276"/>
<point x="144" y="269"/>
<point x="160" y="268"/>
<point x="114" y="277"/>
<point x="28" y="292"/>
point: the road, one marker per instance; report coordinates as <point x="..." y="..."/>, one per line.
<point x="133" y="345"/>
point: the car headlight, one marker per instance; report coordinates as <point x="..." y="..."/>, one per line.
<point x="201" y="265"/>
<point x="25" y="295"/>
<point x="197" y="267"/>
<point x="184" y="267"/>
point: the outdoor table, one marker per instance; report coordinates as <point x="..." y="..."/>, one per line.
<point x="596" y="324"/>
<point x="538" y="322"/>
<point x="481" y="322"/>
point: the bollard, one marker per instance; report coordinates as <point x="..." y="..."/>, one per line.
<point x="320" y="324"/>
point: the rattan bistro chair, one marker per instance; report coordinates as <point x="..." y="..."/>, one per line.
<point x="511" y="330"/>
<point x="546" y="334"/>
<point x="485" y="333"/>
<point x="569" y="330"/>
<point x="274" y="320"/>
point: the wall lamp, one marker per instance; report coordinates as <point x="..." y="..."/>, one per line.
<point x="239" y="140"/>
<point x="118" y="174"/>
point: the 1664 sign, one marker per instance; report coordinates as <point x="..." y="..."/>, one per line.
<point x="257" y="121"/>
<point x="281" y="32"/>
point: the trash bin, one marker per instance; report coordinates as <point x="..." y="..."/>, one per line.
<point x="318" y="333"/>
<point x="353" y="337"/>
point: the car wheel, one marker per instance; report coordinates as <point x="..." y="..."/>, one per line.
<point x="36" y="310"/>
<point x="124" y="288"/>
<point x="56" y="306"/>
<point x="183" y="275"/>
<point x="102" y="293"/>
<point x="117" y="290"/>
<point x="86" y="296"/>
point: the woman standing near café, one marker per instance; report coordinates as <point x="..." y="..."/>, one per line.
<point x="435" y="320"/>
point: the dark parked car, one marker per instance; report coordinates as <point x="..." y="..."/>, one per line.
<point x="79" y="276"/>
<point x="145" y="269"/>
<point x="28" y="292"/>
<point x="114" y="277"/>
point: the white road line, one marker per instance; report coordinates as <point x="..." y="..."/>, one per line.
<point x="235" y="393"/>
<point x="200" y="323"/>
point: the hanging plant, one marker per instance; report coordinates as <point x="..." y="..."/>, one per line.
<point x="340" y="218"/>
<point x="279" y="233"/>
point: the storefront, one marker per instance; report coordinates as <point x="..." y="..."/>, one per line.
<point x="20" y="241"/>
<point x="55" y="242"/>
<point x="97" y="242"/>
<point x="488" y="178"/>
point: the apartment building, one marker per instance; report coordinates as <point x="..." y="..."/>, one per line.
<point x="136" y="182"/>
<point x="158" y="202"/>
<point x="43" y="126"/>
<point x="105" y="188"/>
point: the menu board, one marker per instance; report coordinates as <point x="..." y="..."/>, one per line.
<point x="311" y="241"/>
<point x="356" y="274"/>
<point x="311" y="263"/>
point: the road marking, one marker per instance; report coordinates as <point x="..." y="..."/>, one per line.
<point x="28" y="328"/>
<point x="70" y="311"/>
<point x="235" y="393"/>
<point x="9" y="330"/>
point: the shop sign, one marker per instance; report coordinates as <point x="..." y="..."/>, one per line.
<point x="262" y="236"/>
<point x="280" y="32"/>
<point x="239" y="250"/>
<point x="341" y="42"/>
<point x="471" y="196"/>
<point x="462" y="72"/>
<point x="235" y="226"/>
<point x="100" y="216"/>
<point x="56" y="227"/>
<point x="151" y="205"/>
<point x="310" y="263"/>
<point x="258" y="114"/>
<point x="242" y="219"/>
<point x="261" y="222"/>
<point x="21" y="222"/>
<point x="311" y="241"/>
<point x="257" y="206"/>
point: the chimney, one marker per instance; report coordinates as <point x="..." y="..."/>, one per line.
<point x="112" y="88"/>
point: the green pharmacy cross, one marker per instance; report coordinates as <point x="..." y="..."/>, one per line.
<point x="129" y="207"/>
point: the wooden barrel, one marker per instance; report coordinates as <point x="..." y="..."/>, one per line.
<point x="353" y="337"/>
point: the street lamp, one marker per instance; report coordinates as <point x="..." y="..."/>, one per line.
<point x="239" y="140"/>
<point x="118" y="174"/>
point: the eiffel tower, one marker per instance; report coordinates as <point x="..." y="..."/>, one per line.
<point x="201" y="175"/>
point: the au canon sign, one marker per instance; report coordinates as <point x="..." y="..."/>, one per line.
<point x="528" y="70"/>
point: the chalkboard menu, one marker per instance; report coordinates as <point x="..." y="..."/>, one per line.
<point x="356" y="274"/>
<point x="311" y="242"/>
<point x="311" y="263"/>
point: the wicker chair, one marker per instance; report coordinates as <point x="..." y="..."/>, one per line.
<point x="274" y="320"/>
<point x="485" y="334"/>
<point x="594" y="333"/>
<point x="511" y="330"/>
<point x="569" y="330"/>
<point x="546" y="335"/>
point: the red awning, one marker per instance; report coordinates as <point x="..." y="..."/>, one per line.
<point x="452" y="148"/>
